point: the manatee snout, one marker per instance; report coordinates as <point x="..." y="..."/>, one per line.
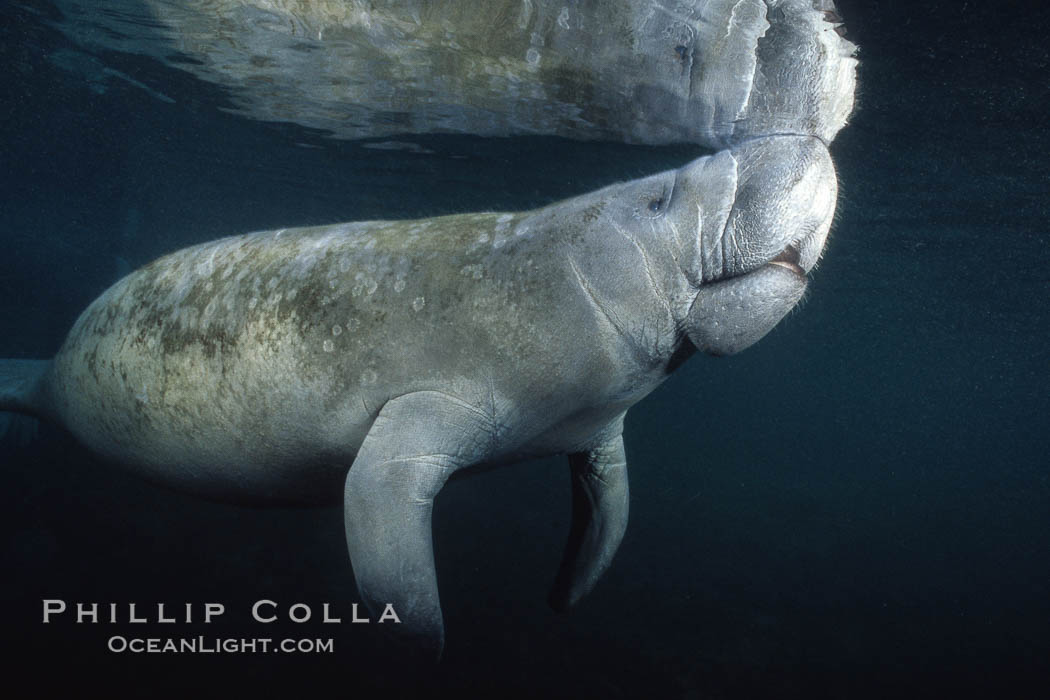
<point x="766" y="199"/>
<point x="760" y="213"/>
<point x="785" y="199"/>
<point x="805" y="73"/>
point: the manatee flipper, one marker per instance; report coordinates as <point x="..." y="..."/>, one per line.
<point x="599" y="519"/>
<point x="417" y="441"/>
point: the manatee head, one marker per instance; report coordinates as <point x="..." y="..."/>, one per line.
<point x="804" y="74"/>
<point x="751" y="224"/>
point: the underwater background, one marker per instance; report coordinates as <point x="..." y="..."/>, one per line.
<point x="856" y="507"/>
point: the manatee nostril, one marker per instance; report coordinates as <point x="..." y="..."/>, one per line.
<point x="655" y="204"/>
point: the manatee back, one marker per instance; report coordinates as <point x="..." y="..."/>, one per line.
<point x="197" y="364"/>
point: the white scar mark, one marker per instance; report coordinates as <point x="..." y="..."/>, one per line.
<point x="677" y="235"/>
<point x="645" y="257"/>
<point x="739" y="257"/>
<point x="738" y="173"/>
<point x="465" y="405"/>
<point x="700" y="235"/>
<point x="594" y="300"/>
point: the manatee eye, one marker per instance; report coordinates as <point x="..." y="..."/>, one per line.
<point x="656" y="204"/>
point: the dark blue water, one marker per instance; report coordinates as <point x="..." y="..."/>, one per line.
<point x="858" y="506"/>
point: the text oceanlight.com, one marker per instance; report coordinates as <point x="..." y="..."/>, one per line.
<point x="215" y="645"/>
<point x="261" y="612"/>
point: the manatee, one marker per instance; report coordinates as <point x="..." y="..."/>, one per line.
<point x="709" y="72"/>
<point x="367" y="363"/>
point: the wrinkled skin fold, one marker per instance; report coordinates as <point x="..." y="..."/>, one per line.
<point x="373" y="361"/>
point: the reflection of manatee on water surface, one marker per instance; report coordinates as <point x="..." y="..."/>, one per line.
<point x="711" y="72"/>
<point x="95" y="74"/>
<point x="369" y="362"/>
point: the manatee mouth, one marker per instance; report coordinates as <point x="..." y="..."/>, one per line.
<point x="790" y="259"/>
<point x="802" y="254"/>
<point x="734" y="313"/>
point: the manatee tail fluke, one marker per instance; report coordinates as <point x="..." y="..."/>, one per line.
<point x="18" y="430"/>
<point x="20" y="382"/>
<point x="20" y="385"/>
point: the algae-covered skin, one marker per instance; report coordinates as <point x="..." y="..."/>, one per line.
<point x="373" y="361"/>
<point x="710" y="72"/>
<point x="259" y="368"/>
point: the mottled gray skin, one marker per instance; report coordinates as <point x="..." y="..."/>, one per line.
<point x="259" y="368"/>
<point x="712" y="72"/>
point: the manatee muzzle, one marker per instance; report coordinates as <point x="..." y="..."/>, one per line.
<point x="732" y="314"/>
